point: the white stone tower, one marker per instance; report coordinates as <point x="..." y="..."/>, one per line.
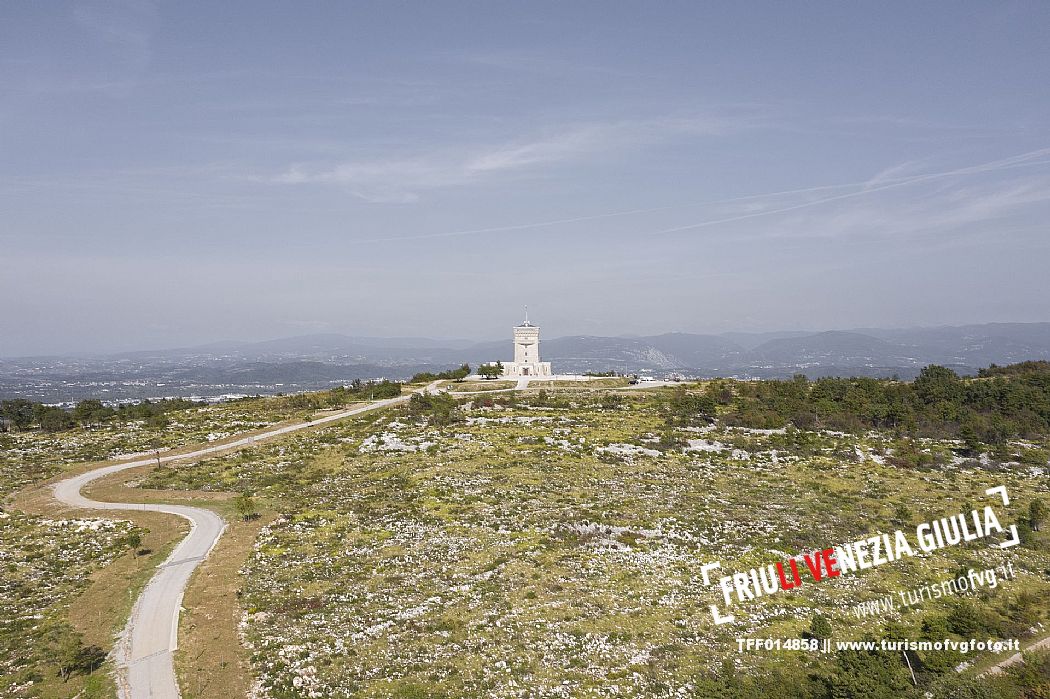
<point x="527" y="352"/>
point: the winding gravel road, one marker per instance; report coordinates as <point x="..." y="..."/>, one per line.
<point x="143" y="656"/>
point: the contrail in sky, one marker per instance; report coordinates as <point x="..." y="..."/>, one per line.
<point x="1022" y="160"/>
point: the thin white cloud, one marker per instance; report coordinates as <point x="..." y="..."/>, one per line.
<point x="944" y="210"/>
<point x="560" y="147"/>
<point x="1031" y="158"/>
<point x="401" y="179"/>
<point x="969" y="204"/>
<point x="127" y="24"/>
<point x="896" y="172"/>
<point x="110" y="54"/>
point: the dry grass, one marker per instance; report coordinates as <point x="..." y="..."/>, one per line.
<point x="612" y="382"/>
<point x="210" y="661"/>
<point x="472" y="386"/>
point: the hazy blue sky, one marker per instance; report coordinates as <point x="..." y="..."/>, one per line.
<point x="184" y="172"/>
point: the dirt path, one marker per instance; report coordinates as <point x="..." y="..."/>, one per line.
<point x="1001" y="666"/>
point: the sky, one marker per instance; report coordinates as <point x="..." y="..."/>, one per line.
<point x="186" y="172"/>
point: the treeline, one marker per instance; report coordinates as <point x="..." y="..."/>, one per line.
<point x="911" y="674"/>
<point x="886" y="674"/>
<point x="451" y="375"/>
<point x="1000" y="404"/>
<point x="22" y="414"/>
<point x="1020" y="368"/>
<point x="341" y="396"/>
<point x="876" y="674"/>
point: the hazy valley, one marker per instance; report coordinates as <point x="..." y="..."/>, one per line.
<point x="315" y="362"/>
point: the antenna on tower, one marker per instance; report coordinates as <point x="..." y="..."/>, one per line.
<point x="526" y="314"/>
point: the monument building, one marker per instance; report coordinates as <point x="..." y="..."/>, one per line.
<point x="526" y="352"/>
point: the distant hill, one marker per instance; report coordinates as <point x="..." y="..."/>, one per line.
<point x="317" y="361"/>
<point x="321" y="347"/>
<point x="750" y="341"/>
<point x="668" y="352"/>
<point x="298" y="372"/>
<point x="831" y="348"/>
<point x="974" y="345"/>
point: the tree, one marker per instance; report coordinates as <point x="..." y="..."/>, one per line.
<point x="970" y="437"/>
<point x="134" y="540"/>
<point x="157" y="421"/>
<point x="489" y="371"/>
<point x="684" y="408"/>
<point x="868" y="675"/>
<point x="936" y="627"/>
<point x="337" y="397"/>
<point x="820" y="627"/>
<point x="91" y="412"/>
<point x="440" y="408"/>
<point x="245" y="506"/>
<point x="1036" y="514"/>
<point x="53" y="419"/>
<point x="74" y="657"/>
<point x="1026" y="534"/>
<point x="19" y="411"/>
<point x="452" y="374"/>
<point x="967" y="620"/>
<point x="938" y="384"/>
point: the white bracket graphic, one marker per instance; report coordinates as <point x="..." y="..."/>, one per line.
<point x="705" y="571"/>
<point x="1001" y="491"/>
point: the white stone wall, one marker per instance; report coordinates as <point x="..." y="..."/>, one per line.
<point x="526" y="345"/>
<point x="527" y="369"/>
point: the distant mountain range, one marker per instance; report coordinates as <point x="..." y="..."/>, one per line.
<point x="875" y="352"/>
<point x="317" y="361"/>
